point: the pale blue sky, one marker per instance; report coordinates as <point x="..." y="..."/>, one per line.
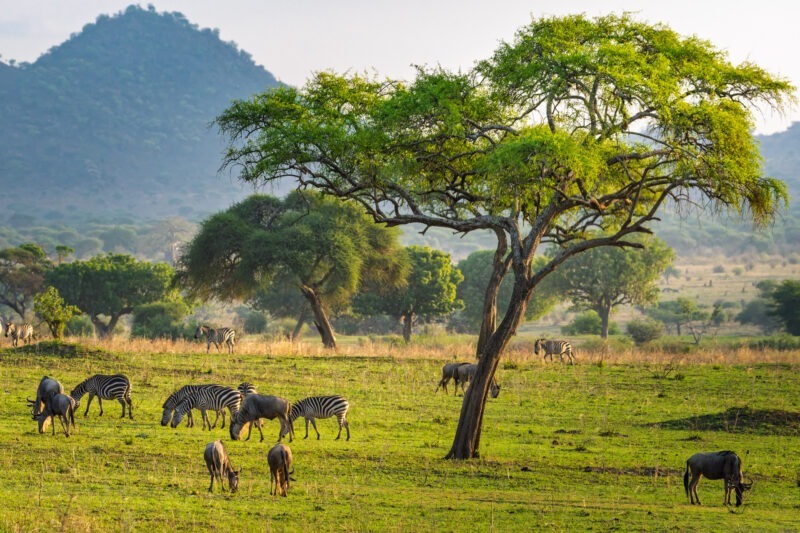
<point x="294" y="38"/>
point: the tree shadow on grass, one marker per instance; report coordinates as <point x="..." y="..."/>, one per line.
<point x="740" y="420"/>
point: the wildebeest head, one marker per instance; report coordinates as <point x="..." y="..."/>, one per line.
<point x="739" y="488"/>
<point x="233" y="479"/>
<point x="495" y="389"/>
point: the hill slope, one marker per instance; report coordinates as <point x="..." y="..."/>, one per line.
<point x="115" y="121"/>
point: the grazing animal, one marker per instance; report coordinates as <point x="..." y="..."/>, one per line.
<point x="47" y="388"/>
<point x="279" y="458"/>
<point x="247" y="389"/>
<point x="19" y="332"/>
<point x="105" y="388"/>
<point x="321" y="407"/>
<point x="724" y="465"/>
<point x="449" y="371"/>
<point x="59" y="405"/>
<point x="554" y="347"/>
<point x="219" y="464"/>
<point x="176" y="398"/>
<point x="467" y="371"/>
<point x="226" y="336"/>
<point x="209" y="397"/>
<point x="256" y="406"/>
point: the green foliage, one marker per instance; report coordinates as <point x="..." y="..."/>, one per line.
<point x="22" y="273"/>
<point x="786" y="305"/>
<point x="50" y="307"/>
<point x="644" y="331"/>
<point x="79" y="326"/>
<point x="160" y="320"/>
<point x="111" y="286"/>
<point x="255" y="322"/>
<point x="588" y="323"/>
<point x="758" y="313"/>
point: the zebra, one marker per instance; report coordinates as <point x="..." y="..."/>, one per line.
<point x="105" y="388"/>
<point x="550" y="347"/>
<point x="321" y="407"/>
<point x="219" y="336"/>
<point x="19" y="332"/>
<point x="177" y="397"/>
<point x="213" y="397"/>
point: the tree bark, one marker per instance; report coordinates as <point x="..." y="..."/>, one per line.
<point x="408" y="324"/>
<point x="468" y="432"/>
<point x="300" y="321"/>
<point x="604" y="311"/>
<point x="320" y="317"/>
<point x="103" y="330"/>
<point x="489" y="319"/>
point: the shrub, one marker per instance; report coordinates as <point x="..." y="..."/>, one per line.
<point x="644" y="331"/>
<point x="588" y="323"/>
<point x="160" y="320"/>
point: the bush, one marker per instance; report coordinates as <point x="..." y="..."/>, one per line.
<point x="160" y="320"/>
<point x="79" y="326"/>
<point x="644" y="331"/>
<point x="588" y="323"/>
<point x="255" y="323"/>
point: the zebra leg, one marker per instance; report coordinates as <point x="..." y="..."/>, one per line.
<point x="88" y="403"/>
<point x="347" y="427"/>
<point x="313" y="423"/>
<point x="130" y="407"/>
<point x="307" y="420"/>
<point x="100" y="402"/>
<point x="206" y="419"/>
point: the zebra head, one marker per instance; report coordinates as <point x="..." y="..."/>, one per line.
<point x="538" y="345"/>
<point x="201" y="331"/>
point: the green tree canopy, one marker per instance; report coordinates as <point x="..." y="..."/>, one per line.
<point x="22" y="272"/>
<point x="106" y="287"/>
<point x="429" y="290"/>
<point x="786" y="305"/>
<point x="50" y="307"/>
<point x="577" y="125"/>
<point x="603" y="278"/>
<point x="323" y="248"/>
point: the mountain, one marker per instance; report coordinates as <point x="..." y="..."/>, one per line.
<point x="114" y="123"/>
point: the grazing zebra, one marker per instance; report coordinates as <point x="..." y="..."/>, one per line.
<point x="557" y="347"/>
<point x="23" y="332"/>
<point x="176" y="398"/>
<point x="219" y="336"/>
<point x="105" y="388"/>
<point x="247" y="388"/>
<point x="210" y="397"/>
<point x="321" y="407"/>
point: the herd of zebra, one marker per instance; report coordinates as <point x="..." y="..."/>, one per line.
<point x="245" y="405"/>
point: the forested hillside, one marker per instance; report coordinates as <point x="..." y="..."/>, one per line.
<point x="114" y="123"/>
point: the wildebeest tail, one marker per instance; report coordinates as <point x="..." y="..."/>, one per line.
<point x="686" y="479"/>
<point x="285" y="461"/>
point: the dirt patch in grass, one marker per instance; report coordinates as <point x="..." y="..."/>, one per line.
<point x="741" y="420"/>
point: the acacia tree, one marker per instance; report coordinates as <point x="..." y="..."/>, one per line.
<point x="107" y="287"/>
<point x="578" y="125"/>
<point x="22" y="272"/>
<point x="603" y="278"/>
<point x="429" y="290"/>
<point x="320" y="246"/>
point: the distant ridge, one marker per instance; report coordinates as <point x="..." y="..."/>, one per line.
<point x="113" y="124"/>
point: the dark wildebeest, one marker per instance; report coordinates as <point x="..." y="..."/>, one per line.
<point x="219" y="464"/>
<point x="59" y="405"/>
<point x="255" y="407"/>
<point x="724" y="465"/>
<point x="465" y="374"/>
<point x="280" y="467"/>
<point x="449" y="371"/>
<point x="47" y="388"/>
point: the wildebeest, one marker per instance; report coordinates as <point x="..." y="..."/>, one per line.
<point x="724" y="465"/>
<point x="59" y="405"/>
<point x="256" y="406"/>
<point x="219" y="464"/>
<point x="465" y="374"/>
<point x="23" y="332"/>
<point x="47" y="388"/>
<point x="449" y="371"/>
<point x="279" y="458"/>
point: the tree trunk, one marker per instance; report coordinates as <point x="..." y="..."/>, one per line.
<point x="489" y="316"/>
<point x="103" y="330"/>
<point x="320" y="318"/>
<point x="468" y="432"/>
<point x="408" y="324"/>
<point x="300" y="321"/>
<point x="604" y="311"/>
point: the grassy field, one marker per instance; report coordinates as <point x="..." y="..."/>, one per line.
<point x="598" y="446"/>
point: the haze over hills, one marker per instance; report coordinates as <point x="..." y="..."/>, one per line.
<point x="113" y="126"/>
<point x="114" y="123"/>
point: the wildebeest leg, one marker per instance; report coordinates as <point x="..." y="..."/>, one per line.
<point x="693" y="488"/>
<point x="211" y="471"/>
<point x="64" y="424"/>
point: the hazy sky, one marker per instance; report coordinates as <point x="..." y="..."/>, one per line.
<point x="294" y="38"/>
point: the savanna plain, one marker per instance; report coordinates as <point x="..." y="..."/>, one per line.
<point x="598" y="446"/>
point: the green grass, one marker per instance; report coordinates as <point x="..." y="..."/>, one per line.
<point x="589" y="447"/>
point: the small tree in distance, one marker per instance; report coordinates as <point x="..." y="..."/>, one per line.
<point x="50" y="307"/>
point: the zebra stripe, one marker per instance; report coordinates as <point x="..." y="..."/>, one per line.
<point x="551" y="347"/>
<point x="209" y="397"/>
<point x="176" y="398"/>
<point x="105" y="387"/>
<point x="19" y="332"/>
<point x="247" y="388"/>
<point x="321" y="407"/>
<point x="219" y="336"/>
